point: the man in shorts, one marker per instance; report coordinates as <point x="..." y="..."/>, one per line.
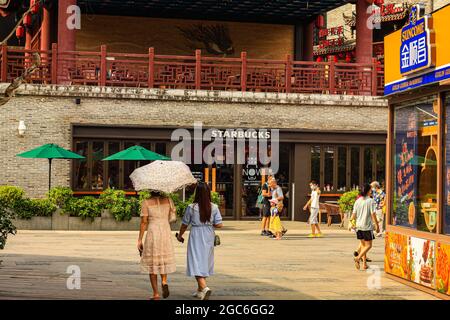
<point x="313" y="204"/>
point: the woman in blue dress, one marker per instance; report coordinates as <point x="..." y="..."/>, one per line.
<point x="203" y="217"/>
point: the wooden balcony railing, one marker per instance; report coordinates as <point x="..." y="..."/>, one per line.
<point x="193" y="72"/>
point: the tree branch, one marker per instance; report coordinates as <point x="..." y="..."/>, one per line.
<point x="11" y="89"/>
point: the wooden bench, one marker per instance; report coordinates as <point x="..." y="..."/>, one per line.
<point x="333" y="210"/>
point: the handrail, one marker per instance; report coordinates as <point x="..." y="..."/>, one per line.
<point x="104" y="68"/>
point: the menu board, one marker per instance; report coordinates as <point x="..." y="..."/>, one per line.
<point x="406" y="163"/>
<point x="443" y="268"/>
<point x="396" y="255"/>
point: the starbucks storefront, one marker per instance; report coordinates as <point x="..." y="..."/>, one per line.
<point x="339" y="161"/>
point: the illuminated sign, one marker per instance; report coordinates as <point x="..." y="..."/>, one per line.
<point x="416" y="47"/>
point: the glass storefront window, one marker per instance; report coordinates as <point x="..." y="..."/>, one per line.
<point x="342" y="169"/>
<point x="328" y="169"/>
<point x="415" y="165"/>
<point x="113" y="166"/>
<point x="97" y="165"/>
<point x="80" y="167"/>
<point x="380" y="154"/>
<point x="315" y="163"/>
<point x="354" y="167"/>
<point x="368" y="165"/>
<point x="128" y="168"/>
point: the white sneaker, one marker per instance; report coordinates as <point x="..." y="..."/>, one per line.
<point x="204" y="294"/>
<point x="196" y="294"/>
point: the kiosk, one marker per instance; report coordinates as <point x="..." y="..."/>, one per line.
<point x="417" y="84"/>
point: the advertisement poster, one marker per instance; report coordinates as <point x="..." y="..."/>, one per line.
<point x="446" y="215"/>
<point x="443" y="268"/>
<point x="421" y="258"/>
<point x="396" y="255"/>
<point x="405" y="207"/>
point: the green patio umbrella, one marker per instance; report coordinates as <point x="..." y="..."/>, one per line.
<point x="136" y="153"/>
<point x="50" y="151"/>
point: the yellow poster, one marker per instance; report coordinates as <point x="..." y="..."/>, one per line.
<point x="443" y="268"/>
<point x="396" y="255"/>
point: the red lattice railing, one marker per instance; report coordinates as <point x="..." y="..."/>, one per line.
<point x="150" y="70"/>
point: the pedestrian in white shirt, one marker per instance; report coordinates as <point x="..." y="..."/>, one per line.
<point x="313" y="204"/>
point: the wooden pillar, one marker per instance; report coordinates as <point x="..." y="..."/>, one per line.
<point x="45" y="29"/>
<point x="308" y="41"/>
<point x="301" y="176"/>
<point x="364" y="34"/>
<point x="66" y="36"/>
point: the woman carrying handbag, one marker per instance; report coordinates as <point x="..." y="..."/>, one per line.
<point x="203" y="217"/>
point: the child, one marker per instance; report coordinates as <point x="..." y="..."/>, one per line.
<point x="275" y="223"/>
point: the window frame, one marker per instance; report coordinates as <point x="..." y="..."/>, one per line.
<point x="348" y="147"/>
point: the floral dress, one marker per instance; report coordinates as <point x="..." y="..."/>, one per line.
<point x="158" y="254"/>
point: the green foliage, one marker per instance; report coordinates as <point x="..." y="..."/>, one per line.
<point x="215" y="198"/>
<point x="182" y="205"/>
<point x="347" y="200"/>
<point x="84" y="207"/>
<point x="60" y="196"/>
<point x="6" y="226"/>
<point x="10" y="197"/>
<point x="144" y="195"/>
<point x="35" y="207"/>
<point x="121" y="207"/>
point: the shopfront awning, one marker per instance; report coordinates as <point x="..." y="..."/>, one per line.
<point x="263" y="11"/>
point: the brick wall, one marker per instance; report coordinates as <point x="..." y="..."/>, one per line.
<point x="49" y="112"/>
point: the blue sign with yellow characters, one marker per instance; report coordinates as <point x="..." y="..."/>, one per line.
<point x="415" y="50"/>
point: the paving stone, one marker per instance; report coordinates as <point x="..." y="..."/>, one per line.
<point x="248" y="266"/>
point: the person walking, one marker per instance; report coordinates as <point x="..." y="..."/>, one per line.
<point x="379" y="196"/>
<point x="365" y="222"/>
<point x="157" y="254"/>
<point x="314" y="207"/>
<point x="275" y="223"/>
<point x="203" y="217"/>
<point x="267" y="195"/>
<point x="277" y="194"/>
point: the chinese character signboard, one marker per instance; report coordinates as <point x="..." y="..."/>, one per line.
<point x="418" y="54"/>
<point x="416" y="47"/>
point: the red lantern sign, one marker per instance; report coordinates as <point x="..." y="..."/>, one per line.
<point x="20" y="32"/>
<point x="27" y="20"/>
<point x="348" y="57"/>
<point x="319" y="59"/>
<point x="34" y="6"/>
<point x="320" y="21"/>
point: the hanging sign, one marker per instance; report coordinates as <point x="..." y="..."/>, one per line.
<point x="417" y="41"/>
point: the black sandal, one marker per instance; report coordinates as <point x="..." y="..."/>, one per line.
<point x="165" y="291"/>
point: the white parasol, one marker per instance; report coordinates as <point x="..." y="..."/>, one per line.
<point x="163" y="176"/>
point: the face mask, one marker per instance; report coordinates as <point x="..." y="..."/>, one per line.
<point x="374" y="190"/>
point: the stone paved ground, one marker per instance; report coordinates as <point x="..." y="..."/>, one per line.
<point x="248" y="266"/>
